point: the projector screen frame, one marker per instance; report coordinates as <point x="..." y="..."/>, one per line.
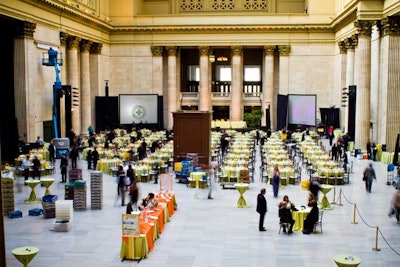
<point x="153" y="119"/>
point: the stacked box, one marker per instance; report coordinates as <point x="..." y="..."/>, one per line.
<point x="80" y="195"/>
<point x="7" y="190"/>
<point x="15" y="214"/>
<point x="75" y="174"/>
<point x="49" y="206"/>
<point x="35" y="212"/>
<point x="96" y="189"/>
<point x="64" y="215"/>
<point x="69" y="191"/>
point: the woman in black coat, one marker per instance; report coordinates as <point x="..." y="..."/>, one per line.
<point x="311" y="218"/>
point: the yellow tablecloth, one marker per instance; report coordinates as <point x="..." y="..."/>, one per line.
<point x="32" y="197"/>
<point x="197" y="177"/>
<point x="241" y="187"/>
<point x="47" y="182"/>
<point x="299" y="217"/>
<point x="344" y="260"/>
<point x="105" y="165"/>
<point x="325" y="205"/>
<point x="25" y="254"/>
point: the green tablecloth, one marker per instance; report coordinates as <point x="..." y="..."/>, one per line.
<point x="298" y="217"/>
<point x="25" y="254"/>
<point x="325" y="205"/>
<point x="47" y="182"/>
<point x="241" y="187"/>
<point x="134" y="248"/>
<point x="32" y="197"/>
<point x="344" y="260"/>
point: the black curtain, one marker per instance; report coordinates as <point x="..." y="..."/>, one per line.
<point x="106" y="113"/>
<point x="281" y="111"/>
<point x="330" y="116"/>
<point x="351" y="126"/>
<point x="267" y="119"/>
<point x="396" y="151"/>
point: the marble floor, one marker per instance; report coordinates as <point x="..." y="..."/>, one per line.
<point x="214" y="233"/>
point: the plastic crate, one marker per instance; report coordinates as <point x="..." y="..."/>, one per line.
<point x="15" y="214"/>
<point x="35" y="212"/>
<point x="50" y="198"/>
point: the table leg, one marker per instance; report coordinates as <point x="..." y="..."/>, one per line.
<point x="241" y="203"/>
<point x="325" y="205"/>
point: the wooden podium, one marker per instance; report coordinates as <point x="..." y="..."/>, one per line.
<point x="192" y="134"/>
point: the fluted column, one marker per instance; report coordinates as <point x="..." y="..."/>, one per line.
<point x="96" y="83"/>
<point x="86" y="103"/>
<point x="362" y="79"/>
<point x="172" y="83"/>
<point x="236" y="109"/>
<point x="350" y="43"/>
<point x="24" y="95"/>
<point x="73" y="80"/>
<point x="157" y="81"/>
<point x="63" y="76"/>
<point x="284" y="51"/>
<point x="204" y="92"/>
<point x="343" y="64"/>
<point x="268" y="85"/>
<point x="390" y="78"/>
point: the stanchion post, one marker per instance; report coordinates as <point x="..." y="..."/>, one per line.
<point x="354" y="214"/>
<point x="340" y="198"/>
<point x="334" y="195"/>
<point x="376" y="240"/>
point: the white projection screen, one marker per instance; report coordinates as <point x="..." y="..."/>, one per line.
<point x="302" y="109"/>
<point x="138" y="109"/>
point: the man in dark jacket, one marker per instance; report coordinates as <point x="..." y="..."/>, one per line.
<point x="261" y="209"/>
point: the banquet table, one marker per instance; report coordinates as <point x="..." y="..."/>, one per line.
<point x="25" y="254"/>
<point x="197" y="179"/>
<point x="47" y="182"/>
<point x="325" y="205"/>
<point x="299" y="217"/>
<point x="32" y="197"/>
<point x="344" y="260"/>
<point x="105" y="165"/>
<point x="241" y="188"/>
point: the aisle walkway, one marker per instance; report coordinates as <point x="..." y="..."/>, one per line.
<point x="214" y="233"/>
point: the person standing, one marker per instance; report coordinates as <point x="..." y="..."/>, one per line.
<point x="330" y="131"/>
<point x="130" y="173"/>
<point x="74" y="155"/>
<point x="275" y="180"/>
<point x="39" y="142"/>
<point x="95" y="158"/>
<point x="395" y="205"/>
<point x="261" y="209"/>
<point x="63" y="167"/>
<point x="89" y="159"/>
<point x="121" y="184"/>
<point x="26" y="164"/>
<point x="52" y="152"/>
<point x="36" y="168"/>
<point x="369" y="176"/>
<point x="134" y="194"/>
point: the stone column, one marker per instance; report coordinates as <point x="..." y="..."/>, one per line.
<point x="172" y="83"/>
<point x="204" y="92"/>
<point x="73" y="80"/>
<point x="362" y="79"/>
<point x="268" y="85"/>
<point x="343" y="64"/>
<point x="96" y="83"/>
<point x="284" y="51"/>
<point x="236" y="109"/>
<point x="390" y="79"/>
<point x="24" y="95"/>
<point x="63" y="77"/>
<point x="157" y="80"/>
<point x="86" y="101"/>
<point x="350" y="43"/>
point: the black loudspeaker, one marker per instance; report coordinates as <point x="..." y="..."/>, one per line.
<point x="106" y="113"/>
<point x="267" y="119"/>
<point x="351" y="126"/>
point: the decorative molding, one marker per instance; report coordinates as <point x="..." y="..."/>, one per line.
<point x="63" y="38"/>
<point x="157" y="51"/>
<point x="73" y="42"/>
<point x="284" y="50"/>
<point x="85" y="45"/>
<point x="342" y="47"/>
<point x="364" y="27"/>
<point x="171" y="50"/>
<point x="351" y="42"/>
<point x="269" y="50"/>
<point x="25" y="29"/>
<point x="390" y="25"/>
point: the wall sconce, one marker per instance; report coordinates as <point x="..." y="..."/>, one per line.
<point x="211" y="58"/>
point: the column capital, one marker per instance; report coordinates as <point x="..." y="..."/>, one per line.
<point x="171" y="50"/>
<point x="63" y="38"/>
<point x="342" y="47"/>
<point x="73" y="42"/>
<point x="237" y="50"/>
<point x="284" y="50"/>
<point x="269" y="50"/>
<point x="25" y="29"/>
<point x="351" y="42"/>
<point x="96" y="48"/>
<point x="204" y="50"/>
<point x="157" y="51"/>
<point x="390" y="25"/>
<point x="85" y="45"/>
<point x="364" y="27"/>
